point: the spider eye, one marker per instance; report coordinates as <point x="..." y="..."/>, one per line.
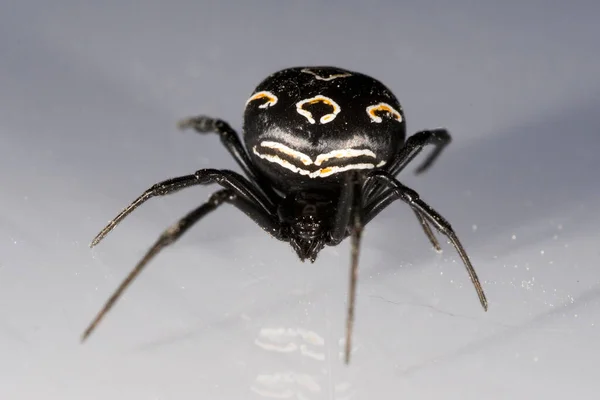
<point x="306" y="228"/>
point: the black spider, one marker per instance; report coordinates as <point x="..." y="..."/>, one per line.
<point x="323" y="147"/>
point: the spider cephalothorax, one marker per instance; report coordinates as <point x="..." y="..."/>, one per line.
<point x="308" y="217"/>
<point x="323" y="148"/>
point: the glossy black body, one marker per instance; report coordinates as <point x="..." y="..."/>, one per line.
<point x="323" y="148"/>
<point x="350" y="129"/>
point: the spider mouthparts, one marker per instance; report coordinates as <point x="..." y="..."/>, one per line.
<point x="307" y="249"/>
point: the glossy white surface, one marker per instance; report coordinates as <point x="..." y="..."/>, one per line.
<point x="89" y="96"/>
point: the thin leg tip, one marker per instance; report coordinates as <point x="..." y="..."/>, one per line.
<point x="483" y="301"/>
<point x="200" y="124"/>
<point x="94" y="242"/>
<point x="184" y="124"/>
<point x="424" y="167"/>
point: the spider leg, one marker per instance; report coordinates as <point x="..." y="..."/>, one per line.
<point x="229" y="138"/>
<point x="231" y="141"/>
<point x="440" y="138"/>
<point x="428" y="232"/>
<point x="228" y="179"/>
<point x="345" y="209"/>
<point x="174" y="232"/>
<point x="350" y="217"/>
<point x="410" y="197"/>
<point x="426" y="228"/>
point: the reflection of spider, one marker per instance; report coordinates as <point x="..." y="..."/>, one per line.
<point x="310" y="183"/>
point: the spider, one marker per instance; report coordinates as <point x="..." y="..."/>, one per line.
<point x="323" y="146"/>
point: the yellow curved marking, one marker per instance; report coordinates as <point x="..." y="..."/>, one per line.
<point x="325" y="78"/>
<point x="271" y="99"/>
<point x="383" y="107"/>
<point x="318" y="99"/>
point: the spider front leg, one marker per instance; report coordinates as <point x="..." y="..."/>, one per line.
<point x="428" y="232"/>
<point x="228" y="179"/>
<point x="229" y="137"/>
<point x="231" y="141"/>
<point x="410" y="197"/>
<point x="268" y="222"/>
<point x="440" y="138"/>
<point x="349" y="219"/>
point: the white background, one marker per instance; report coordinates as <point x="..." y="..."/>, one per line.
<point x="89" y="95"/>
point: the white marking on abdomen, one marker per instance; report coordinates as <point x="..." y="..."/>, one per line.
<point x="318" y="99"/>
<point x="271" y="99"/>
<point x="306" y="160"/>
<point x="321" y="158"/>
<point x="328" y="171"/>
<point x="278" y="160"/>
<point x="344" y="153"/>
<point x="322" y="78"/>
<point x="371" y="110"/>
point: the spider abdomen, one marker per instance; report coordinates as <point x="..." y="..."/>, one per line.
<point x="304" y="126"/>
